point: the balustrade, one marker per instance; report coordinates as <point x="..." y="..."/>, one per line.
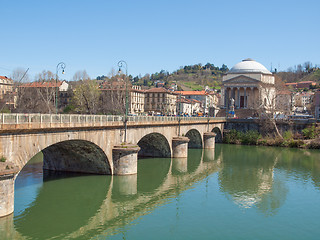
<point x="20" y="118"/>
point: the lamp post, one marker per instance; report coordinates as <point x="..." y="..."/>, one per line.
<point x="208" y="119"/>
<point x="61" y="65"/>
<point x="179" y="119"/>
<point x="123" y="64"/>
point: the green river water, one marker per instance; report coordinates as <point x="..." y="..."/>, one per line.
<point x="233" y="192"/>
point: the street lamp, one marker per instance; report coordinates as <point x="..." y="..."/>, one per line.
<point x="61" y="65"/>
<point x="123" y="64"/>
<point x="179" y="117"/>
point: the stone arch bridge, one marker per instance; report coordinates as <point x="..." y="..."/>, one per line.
<point x="88" y="143"/>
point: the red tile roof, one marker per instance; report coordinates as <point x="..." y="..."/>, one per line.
<point x="158" y="90"/>
<point x="5" y="78"/>
<point x="187" y="93"/>
<point x="42" y="84"/>
<point x="307" y="82"/>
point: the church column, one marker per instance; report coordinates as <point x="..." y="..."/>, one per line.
<point x="245" y="97"/>
<point x="226" y="98"/>
<point x="238" y="104"/>
<point x="252" y="97"/>
<point x="233" y="95"/>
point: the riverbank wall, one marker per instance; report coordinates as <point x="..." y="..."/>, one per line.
<point x="301" y="134"/>
<point x="265" y="127"/>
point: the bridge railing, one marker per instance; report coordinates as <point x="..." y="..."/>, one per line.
<point x="20" y="118"/>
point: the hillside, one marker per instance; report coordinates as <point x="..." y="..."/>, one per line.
<point x="191" y="77"/>
<point x="301" y="72"/>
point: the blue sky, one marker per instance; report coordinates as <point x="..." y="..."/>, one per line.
<point x="154" y="35"/>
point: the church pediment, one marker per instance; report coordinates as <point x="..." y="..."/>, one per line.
<point x="241" y="79"/>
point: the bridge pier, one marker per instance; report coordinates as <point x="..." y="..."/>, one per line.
<point x="209" y="140"/>
<point x="125" y="159"/>
<point x="180" y="147"/>
<point x="7" y="177"/>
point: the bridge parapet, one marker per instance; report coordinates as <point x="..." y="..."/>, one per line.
<point x="32" y="121"/>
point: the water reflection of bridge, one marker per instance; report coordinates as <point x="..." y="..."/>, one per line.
<point x="118" y="201"/>
<point x="247" y="177"/>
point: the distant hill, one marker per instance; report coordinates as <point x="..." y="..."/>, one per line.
<point x="191" y="77"/>
<point x="301" y="72"/>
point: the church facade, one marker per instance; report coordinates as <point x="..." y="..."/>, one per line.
<point x="248" y="85"/>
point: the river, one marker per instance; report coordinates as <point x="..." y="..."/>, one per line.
<point x="233" y="192"/>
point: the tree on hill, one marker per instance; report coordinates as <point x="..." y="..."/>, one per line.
<point x="301" y="72"/>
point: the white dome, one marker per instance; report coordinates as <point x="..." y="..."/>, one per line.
<point x="249" y="66"/>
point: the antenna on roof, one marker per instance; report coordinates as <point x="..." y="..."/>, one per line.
<point x="271" y="67"/>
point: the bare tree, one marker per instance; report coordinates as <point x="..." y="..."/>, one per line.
<point x="112" y="73"/>
<point x="86" y="97"/>
<point x="20" y="75"/>
<point x="45" y="76"/>
<point x="113" y="97"/>
<point x="81" y="76"/>
<point x="38" y="96"/>
<point x="268" y="110"/>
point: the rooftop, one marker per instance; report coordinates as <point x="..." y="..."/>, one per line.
<point x="158" y="90"/>
<point x="5" y="78"/>
<point x="188" y="93"/>
<point x="42" y="84"/>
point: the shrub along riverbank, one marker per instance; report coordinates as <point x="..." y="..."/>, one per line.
<point x="309" y="138"/>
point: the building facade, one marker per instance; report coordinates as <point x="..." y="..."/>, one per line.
<point x="113" y="97"/>
<point x="184" y="107"/>
<point x="137" y="98"/>
<point x="248" y="85"/>
<point x="207" y="100"/>
<point x="6" y="86"/>
<point x="302" y="99"/>
<point x="160" y="101"/>
<point x="7" y="95"/>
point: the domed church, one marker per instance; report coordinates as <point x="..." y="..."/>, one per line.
<point x="248" y="85"/>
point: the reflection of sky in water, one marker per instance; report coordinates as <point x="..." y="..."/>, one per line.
<point x="27" y="186"/>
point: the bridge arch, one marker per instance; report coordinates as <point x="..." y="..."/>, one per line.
<point x="218" y="133"/>
<point x="154" y="145"/>
<point x="76" y="156"/>
<point x="195" y="138"/>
